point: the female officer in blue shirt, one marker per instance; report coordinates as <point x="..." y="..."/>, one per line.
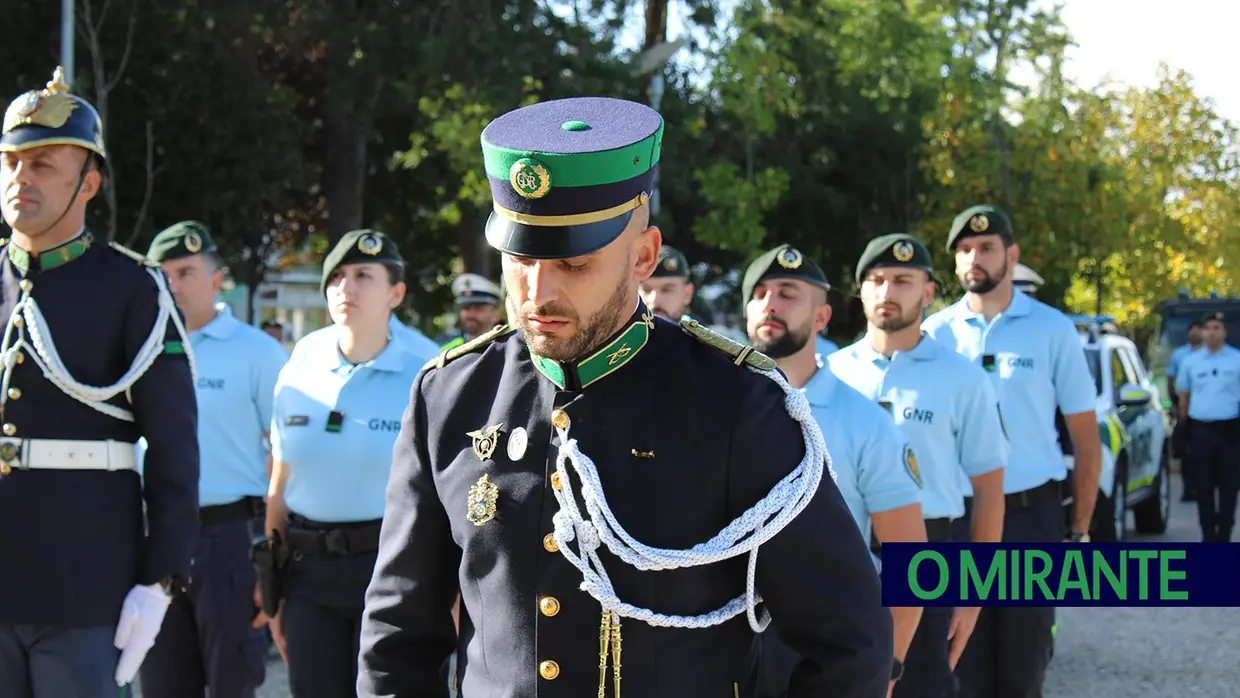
<point x="335" y="418"/>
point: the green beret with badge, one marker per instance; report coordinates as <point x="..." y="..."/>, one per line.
<point x="672" y="264"/>
<point x="567" y="175"/>
<point x="895" y="250"/>
<point x="783" y="262"/>
<point x="980" y="220"/>
<point x="183" y="239"/>
<point x="360" y="247"/>
<point x="51" y="116"/>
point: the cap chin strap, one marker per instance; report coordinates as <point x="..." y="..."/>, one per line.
<point x="744" y="535"/>
<point x="27" y="330"/>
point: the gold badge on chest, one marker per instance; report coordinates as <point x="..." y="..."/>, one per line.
<point x="483" y="496"/>
<point x="485" y="440"/>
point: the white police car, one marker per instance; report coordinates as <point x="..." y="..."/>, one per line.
<point x="1136" y="456"/>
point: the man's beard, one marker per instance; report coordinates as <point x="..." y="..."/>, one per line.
<point x="897" y="322"/>
<point x="788" y="343"/>
<point x="661" y="312"/>
<point x="986" y="284"/>
<point x="590" y="334"/>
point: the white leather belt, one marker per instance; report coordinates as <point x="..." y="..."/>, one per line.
<point x="67" y="454"/>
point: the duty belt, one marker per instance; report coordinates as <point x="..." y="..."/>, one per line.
<point x="66" y="454"/>
<point x="242" y="510"/>
<point x="345" y="540"/>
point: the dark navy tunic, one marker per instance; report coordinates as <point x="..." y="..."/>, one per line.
<point x="684" y="442"/>
<point x="72" y="543"/>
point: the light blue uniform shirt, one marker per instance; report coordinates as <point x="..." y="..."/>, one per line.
<point x="944" y="404"/>
<point x="1039" y="365"/>
<point x="340" y="476"/>
<point x="237" y="366"/>
<point x="414" y="341"/>
<point x="1212" y="381"/>
<point x="1177" y="359"/>
<point x="869" y="455"/>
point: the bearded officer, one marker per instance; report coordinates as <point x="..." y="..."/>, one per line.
<point x="875" y="467"/>
<point x="94" y="357"/>
<point x="669" y="292"/>
<point x="1034" y="356"/>
<point x="584" y="543"/>
<point x="947" y="408"/>
<point x="478" y="308"/>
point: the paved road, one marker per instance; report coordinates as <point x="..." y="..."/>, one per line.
<point x="1110" y="652"/>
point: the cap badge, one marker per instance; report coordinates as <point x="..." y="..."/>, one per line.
<point x="789" y="258"/>
<point x="669" y="264"/>
<point x="369" y="244"/>
<point x="50" y="107"/>
<point x="979" y="223"/>
<point x="903" y="251"/>
<point x="530" y="178"/>
<point x="193" y="243"/>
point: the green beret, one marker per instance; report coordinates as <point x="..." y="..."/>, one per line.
<point x="672" y="264"/>
<point x="895" y="250"/>
<point x="980" y="220"/>
<point x="567" y="175"/>
<point x="357" y="247"/>
<point x="783" y="262"/>
<point x="180" y="240"/>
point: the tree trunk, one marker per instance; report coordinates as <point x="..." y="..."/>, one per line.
<point x="346" y="115"/>
<point x="656" y="23"/>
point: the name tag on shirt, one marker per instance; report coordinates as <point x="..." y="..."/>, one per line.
<point x="297" y="421"/>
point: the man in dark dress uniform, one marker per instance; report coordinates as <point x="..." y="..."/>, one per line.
<point x="93" y="357"/>
<point x="599" y="443"/>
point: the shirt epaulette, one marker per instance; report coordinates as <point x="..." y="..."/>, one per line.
<point x="740" y="353"/>
<point x="470" y="346"/>
<point x="132" y="255"/>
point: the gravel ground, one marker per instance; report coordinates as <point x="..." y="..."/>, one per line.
<point x="1109" y="652"/>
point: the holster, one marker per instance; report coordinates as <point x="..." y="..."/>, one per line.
<point x="269" y="558"/>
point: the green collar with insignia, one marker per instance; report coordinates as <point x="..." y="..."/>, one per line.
<point x="602" y="363"/>
<point x="57" y="256"/>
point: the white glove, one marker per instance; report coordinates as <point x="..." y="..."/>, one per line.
<point x="142" y="614"/>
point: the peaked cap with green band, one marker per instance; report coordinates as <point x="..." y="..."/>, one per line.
<point x="566" y="175"/>
<point x="672" y="264"/>
<point x="980" y="220"/>
<point x="783" y="262"/>
<point x="358" y="247"/>
<point x="51" y="116"/>
<point x="895" y="250"/>
<point x="180" y="240"/>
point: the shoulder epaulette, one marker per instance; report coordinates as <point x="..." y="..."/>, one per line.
<point x="131" y="254"/>
<point x="472" y="345"/>
<point x="740" y="353"/>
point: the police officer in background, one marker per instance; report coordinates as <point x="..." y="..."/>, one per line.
<point x="211" y="636"/>
<point x="946" y="406"/>
<point x="478" y="308"/>
<point x="1209" y="385"/>
<point x="1179" y="434"/>
<point x="1034" y="356"/>
<point x="335" y="420"/>
<point x="1026" y="280"/>
<point x="556" y="455"/>
<point x="85" y="585"/>
<point x="875" y="467"/>
<point x="669" y="292"/>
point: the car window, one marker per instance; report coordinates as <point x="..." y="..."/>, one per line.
<point x="1119" y="372"/>
<point x="1094" y="358"/>
<point x="1135" y="369"/>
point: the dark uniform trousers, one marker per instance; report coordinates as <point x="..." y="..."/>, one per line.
<point x="1215" y="475"/>
<point x="49" y="662"/>
<point x="325" y="591"/>
<point x="1010" y="649"/>
<point x="927" y="664"/>
<point x="207" y="638"/>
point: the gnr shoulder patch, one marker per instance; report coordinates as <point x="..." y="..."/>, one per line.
<point x="910" y="464"/>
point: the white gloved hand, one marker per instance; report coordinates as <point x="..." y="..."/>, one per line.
<point x="142" y="614"/>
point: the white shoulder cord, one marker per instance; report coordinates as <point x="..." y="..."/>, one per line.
<point x="43" y="351"/>
<point x="744" y="535"/>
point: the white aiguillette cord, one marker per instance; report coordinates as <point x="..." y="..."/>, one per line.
<point x="43" y="350"/>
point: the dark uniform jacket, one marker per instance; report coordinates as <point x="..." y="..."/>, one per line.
<point x="72" y="543"/>
<point x="684" y="441"/>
